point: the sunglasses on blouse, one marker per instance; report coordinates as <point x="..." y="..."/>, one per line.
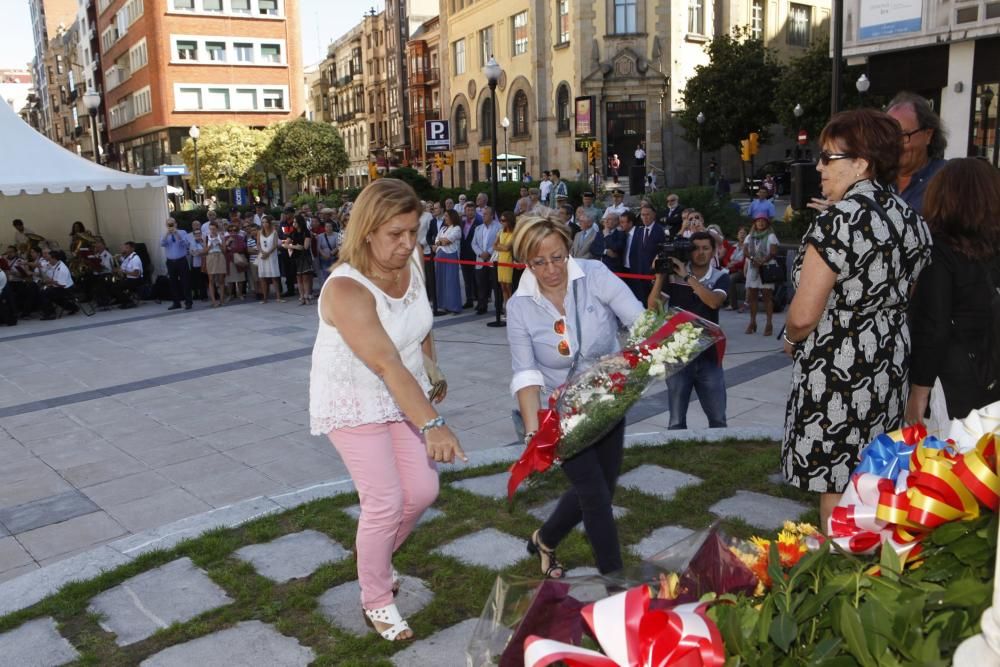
<point x="559" y="326"/>
<point x="826" y="158"/>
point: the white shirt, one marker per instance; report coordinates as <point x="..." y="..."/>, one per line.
<point x="107" y="261"/>
<point x="617" y="208"/>
<point x="454" y="234"/>
<point x="59" y="274"/>
<point x="640" y="154"/>
<point x="544" y="189"/>
<point x="425" y="222"/>
<point x="130" y="264"/>
<point x="628" y="246"/>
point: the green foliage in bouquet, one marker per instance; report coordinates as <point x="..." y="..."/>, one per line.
<point x="837" y="609"/>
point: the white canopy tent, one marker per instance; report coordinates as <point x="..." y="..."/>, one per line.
<point x="50" y="187"/>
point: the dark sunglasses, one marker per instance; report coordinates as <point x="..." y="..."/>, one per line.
<point x="826" y="158"/>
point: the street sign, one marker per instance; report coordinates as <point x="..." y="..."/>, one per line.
<point x="803" y="137"/>
<point x="240" y="197"/>
<point x="438" y="135"/>
<point x="172" y="170"/>
<point x="581" y="144"/>
<point x="199" y="190"/>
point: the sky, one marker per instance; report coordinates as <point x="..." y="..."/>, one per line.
<point x="322" y="22"/>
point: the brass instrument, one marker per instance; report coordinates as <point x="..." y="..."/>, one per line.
<point x="81" y="240"/>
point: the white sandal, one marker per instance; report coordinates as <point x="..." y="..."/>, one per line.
<point x="388" y="615"/>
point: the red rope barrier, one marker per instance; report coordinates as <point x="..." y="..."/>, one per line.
<point x="469" y="262"/>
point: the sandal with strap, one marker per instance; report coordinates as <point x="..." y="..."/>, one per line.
<point x="388" y="615"/>
<point x="551" y="567"/>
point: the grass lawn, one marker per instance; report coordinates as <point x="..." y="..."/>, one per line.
<point x="460" y="590"/>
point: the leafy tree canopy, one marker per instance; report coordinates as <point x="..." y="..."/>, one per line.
<point x="734" y="91"/>
<point x="302" y="148"/>
<point x="807" y="81"/>
<point x="226" y="152"/>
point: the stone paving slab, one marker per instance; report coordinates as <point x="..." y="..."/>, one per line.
<point x="543" y="512"/>
<point x="153" y="600"/>
<point x="431" y="513"/>
<point x="293" y="556"/>
<point x="442" y="649"/>
<point x="488" y="486"/>
<point x="487" y="548"/>
<point x="759" y="509"/>
<point x="46" y="511"/>
<point x="36" y="643"/>
<point x="660" y="539"/>
<point x="657" y="480"/>
<point x="586" y="591"/>
<point x="247" y="643"/>
<point x="341" y="605"/>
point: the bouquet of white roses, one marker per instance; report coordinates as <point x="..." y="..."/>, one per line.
<point x="659" y="343"/>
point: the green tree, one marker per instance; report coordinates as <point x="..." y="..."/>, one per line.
<point x="226" y="152"/>
<point x="807" y="80"/>
<point x="302" y="148"/>
<point x="733" y="91"/>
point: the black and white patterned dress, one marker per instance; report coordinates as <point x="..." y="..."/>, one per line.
<point x="849" y="376"/>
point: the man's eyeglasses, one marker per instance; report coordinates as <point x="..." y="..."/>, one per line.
<point x="541" y="262"/>
<point x="826" y="158"/>
<point x="908" y="135"/>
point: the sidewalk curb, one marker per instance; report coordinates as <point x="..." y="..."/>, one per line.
<point x="28" y="589"/>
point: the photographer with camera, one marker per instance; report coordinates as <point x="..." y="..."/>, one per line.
<point x="685" y="275"/>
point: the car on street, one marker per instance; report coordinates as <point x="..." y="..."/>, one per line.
<point x="781" y="171"/>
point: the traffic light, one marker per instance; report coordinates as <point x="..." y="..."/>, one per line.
<point x="754" y="137"/>
<point x="439" y="161"/>
<point x="594" y="151"/>
<point x="745" y="150"/>
<point x="372" y="171"/>
<point x="449" y="159"/>
<point x="485" y="155"/>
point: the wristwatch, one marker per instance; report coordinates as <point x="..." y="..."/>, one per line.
<point x="689" y="276"/>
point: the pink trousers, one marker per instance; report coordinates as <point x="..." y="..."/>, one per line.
<point x="396" y="482"/>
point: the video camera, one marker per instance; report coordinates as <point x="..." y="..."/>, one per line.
<point x="679" y="247"/>
<point x="805" y="184"/>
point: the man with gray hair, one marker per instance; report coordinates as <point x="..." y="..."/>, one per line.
<point x="584" y="239"/>
<point x="924" y="141"/>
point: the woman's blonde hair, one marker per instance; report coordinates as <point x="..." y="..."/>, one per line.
<point x="378" y="203"/>
<point x="532" y="230"/>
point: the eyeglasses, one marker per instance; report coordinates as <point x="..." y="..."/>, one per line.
<point x="908" y="135"/>
<point x="559" y="326"/>
<point x="541" y="262"/>
<point x="826" y="158"/>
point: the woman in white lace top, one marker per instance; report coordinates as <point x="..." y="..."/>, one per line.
<point x="368" y="389"/>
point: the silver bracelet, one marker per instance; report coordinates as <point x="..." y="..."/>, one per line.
<point x="784" y="337"/>
<point x="528" y="436"/>
<point x="433" y="423"/>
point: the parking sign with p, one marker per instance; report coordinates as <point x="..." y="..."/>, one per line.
<point x="438" y="135"/>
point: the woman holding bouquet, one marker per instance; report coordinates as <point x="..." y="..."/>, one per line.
<point x="564" y="315"/>
<point x="368" y="388"/>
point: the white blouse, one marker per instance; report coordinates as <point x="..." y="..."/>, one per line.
<point x="454" y="234"/>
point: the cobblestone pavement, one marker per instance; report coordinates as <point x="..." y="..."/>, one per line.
<point x="129" y="431"/>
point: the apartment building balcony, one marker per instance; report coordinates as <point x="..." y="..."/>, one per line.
<point x="425" y="113"/>
<point x="422" y="77"/>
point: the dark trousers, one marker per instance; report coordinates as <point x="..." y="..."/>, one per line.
<point x="287" y="267"/>
<point x="58" y="296"/>
<point x="180" y="280"/>
<point x="25" y="295"/>
<point x="593" y="474"/>
<point x="8" y="310"/>
<point x="430" y="280"/>
<point x="640" y="288"/>
<point x="198" y="283"/>
<point x="469" y="278"/>
<point x="486" y="281"/>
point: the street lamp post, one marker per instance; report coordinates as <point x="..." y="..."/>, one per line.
<point x="863" y="84"/>
<point x="797" y="112"/>
<point x="986" y="99"/>
<point x="92" y="100"/>
<point x="505" y="123"/>
<point x="701" y="123"/>
<point x="493" y="72"/>
<point x="195" y="133"/>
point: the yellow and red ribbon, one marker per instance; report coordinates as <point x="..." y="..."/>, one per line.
<point x="907" y="485"/>
<point x="634" y="635"/>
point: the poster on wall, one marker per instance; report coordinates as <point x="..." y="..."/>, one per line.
<point x="584" y="116"/>
<point x="884" y="18"/>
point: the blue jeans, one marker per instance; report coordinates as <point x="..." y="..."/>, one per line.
<point x="705" y="376"/>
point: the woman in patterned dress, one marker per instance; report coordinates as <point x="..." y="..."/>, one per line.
<point x="846" y="327"/>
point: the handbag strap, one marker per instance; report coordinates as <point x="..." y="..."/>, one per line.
<point x="579" y="331"/>
<point x="885" y="216"/>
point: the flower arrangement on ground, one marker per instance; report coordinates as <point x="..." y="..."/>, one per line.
<point x="659" y="343"/>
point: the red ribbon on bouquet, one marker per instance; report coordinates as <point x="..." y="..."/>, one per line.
<point x="634" y="635"/>
<point x="540" y="453"/>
